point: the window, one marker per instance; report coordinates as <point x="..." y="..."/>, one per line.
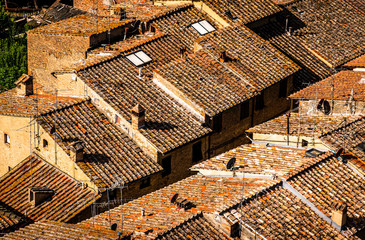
<point x="217" y="123"/>
<point x="203" y="27"/>
<point x="45" y="143"/>
<point x="145" y="183"/>
<point x="166" y="165"/>
<point x="304" y="143"/>
<point x="283" y="88"/>
<point x="245" y="110"/>
<point x="259" y="102"/>
<point x="197" y="152"/>
<point x="139" y="58"/>
<point x="112" y="194"/>
<point x="6" y="138"/>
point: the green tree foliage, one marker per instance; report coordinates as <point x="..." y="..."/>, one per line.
<point x="13" y="51"/>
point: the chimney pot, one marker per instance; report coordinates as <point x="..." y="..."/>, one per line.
<point x="76" y="151"/>
<point x="339" y="213"/>
<point x="24" y="85"/>
<point x="138" y="117"/>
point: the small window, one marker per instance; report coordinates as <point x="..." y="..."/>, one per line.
<point x="283" y="88"/>
<point x="139" y="58"/>
<point x="245" y="110"/>
<point x="217" y="123"/>
<point x="145" y="183"/>
<point x="166" y="165"/>
<point x="304" y="143"/>
<point x="259" y="102"/>
<point x="203" y="27"/>
<point x="197" y="152"/>
<point x="45" y="143"/>
<point x="6" y="138"/>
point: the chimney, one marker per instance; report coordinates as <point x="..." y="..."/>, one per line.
<point x="339" y="213"/>
<point x="76" y="151"/>
<point x="223" y="56"/>
<point x="24" y="85"/>
<point x="138" y="117"/>
<point x="38" y="195"/>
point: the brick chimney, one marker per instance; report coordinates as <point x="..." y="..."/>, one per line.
<point x="38" y="195"/>
<point x="76" y="151"/>
<point x="339" y="213"/>
<point x="24" y="85"/>
<point x="138" y="117"/>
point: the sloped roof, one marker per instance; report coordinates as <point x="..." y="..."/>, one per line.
<point x="345" y="85"/>
<point x="69" y="198"/>
<point x="56" y="230"/>
<point x="258" y="159"/>
<point x="331" y="181"/>
<point x="10" y="219"/>
<point x="14" y="105"/>
<point x="356" y="63"/>
<point x="300" y="124"/>
<point x="60" y="12"/>
<point x="109" y="154"/>
<point x="206" y="194"/>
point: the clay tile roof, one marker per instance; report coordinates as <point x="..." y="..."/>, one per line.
<point x="54" y="230"/>
<point x="348" y="136"/>
<point x="304" y="125"/>
<point x="247" y="11"/>
<point x="359" y="5"/>
<point x="258" y="159"/>
<point x="69" y="196"/>
<point x="333" y="30"/>
<point x="12" y="104"/>
<point x="345" y="85"/>
<point x="252" y="58"/>
<point x="168" y="124"/>
<point x="109" y="154"/>
<point x="10" y="219"/>
<point x="206" y="194"/>
<point x="332" y="181"/>
<point x="356" y="63"/>
<point x="277" y="213"/>
<point x="80" y="25"/>
<point x="60" y="12"/>
<point x="201" y="78"/>
<point x="198" y="227"/>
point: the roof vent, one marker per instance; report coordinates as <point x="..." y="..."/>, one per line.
<point x="138" y="117"/>
<point x="362" y="80"/>
<point x="24" y="85"/>
<point x="181" y="203"/>
<point x="313" y="153"/>
<point x="339" y="213"/>
<point x="76" y="151"/>
<point x="38" y="195"/>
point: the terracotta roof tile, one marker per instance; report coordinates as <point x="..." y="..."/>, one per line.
<point x="259" y="159"/>
<point x="10" y="219"/>
<point x="345" y="85"/>
<point x="251" y="56"/>
<point x="356" y="63"/>
<point x="304" y="125"/>
<point x="108" y="152"/>
<point x="35" y="172"/>
<point x="80" y="25"/>
<point x="332" y="181"/>
<point x="60" y="12"/>
<point x="56" y="230"/>
<point x="197" y="227"/>
<point x="246" y="11"/>
<point x="12" y="104"/>
<point x="206" y="194"/>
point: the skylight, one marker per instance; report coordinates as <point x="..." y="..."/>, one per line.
<point x="139" y="58"/>
<point x="203" y="27"/>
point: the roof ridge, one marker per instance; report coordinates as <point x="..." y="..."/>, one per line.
<point x="181" y="7"/>
<point x="94" y="62"/>
<point x="65" y="105"/>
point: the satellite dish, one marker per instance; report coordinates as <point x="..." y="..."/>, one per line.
<point x="326" y="107"/>
<point x="113" y="227"/>
<point x="173" y="199"/>
<point x="231" y="163"/>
